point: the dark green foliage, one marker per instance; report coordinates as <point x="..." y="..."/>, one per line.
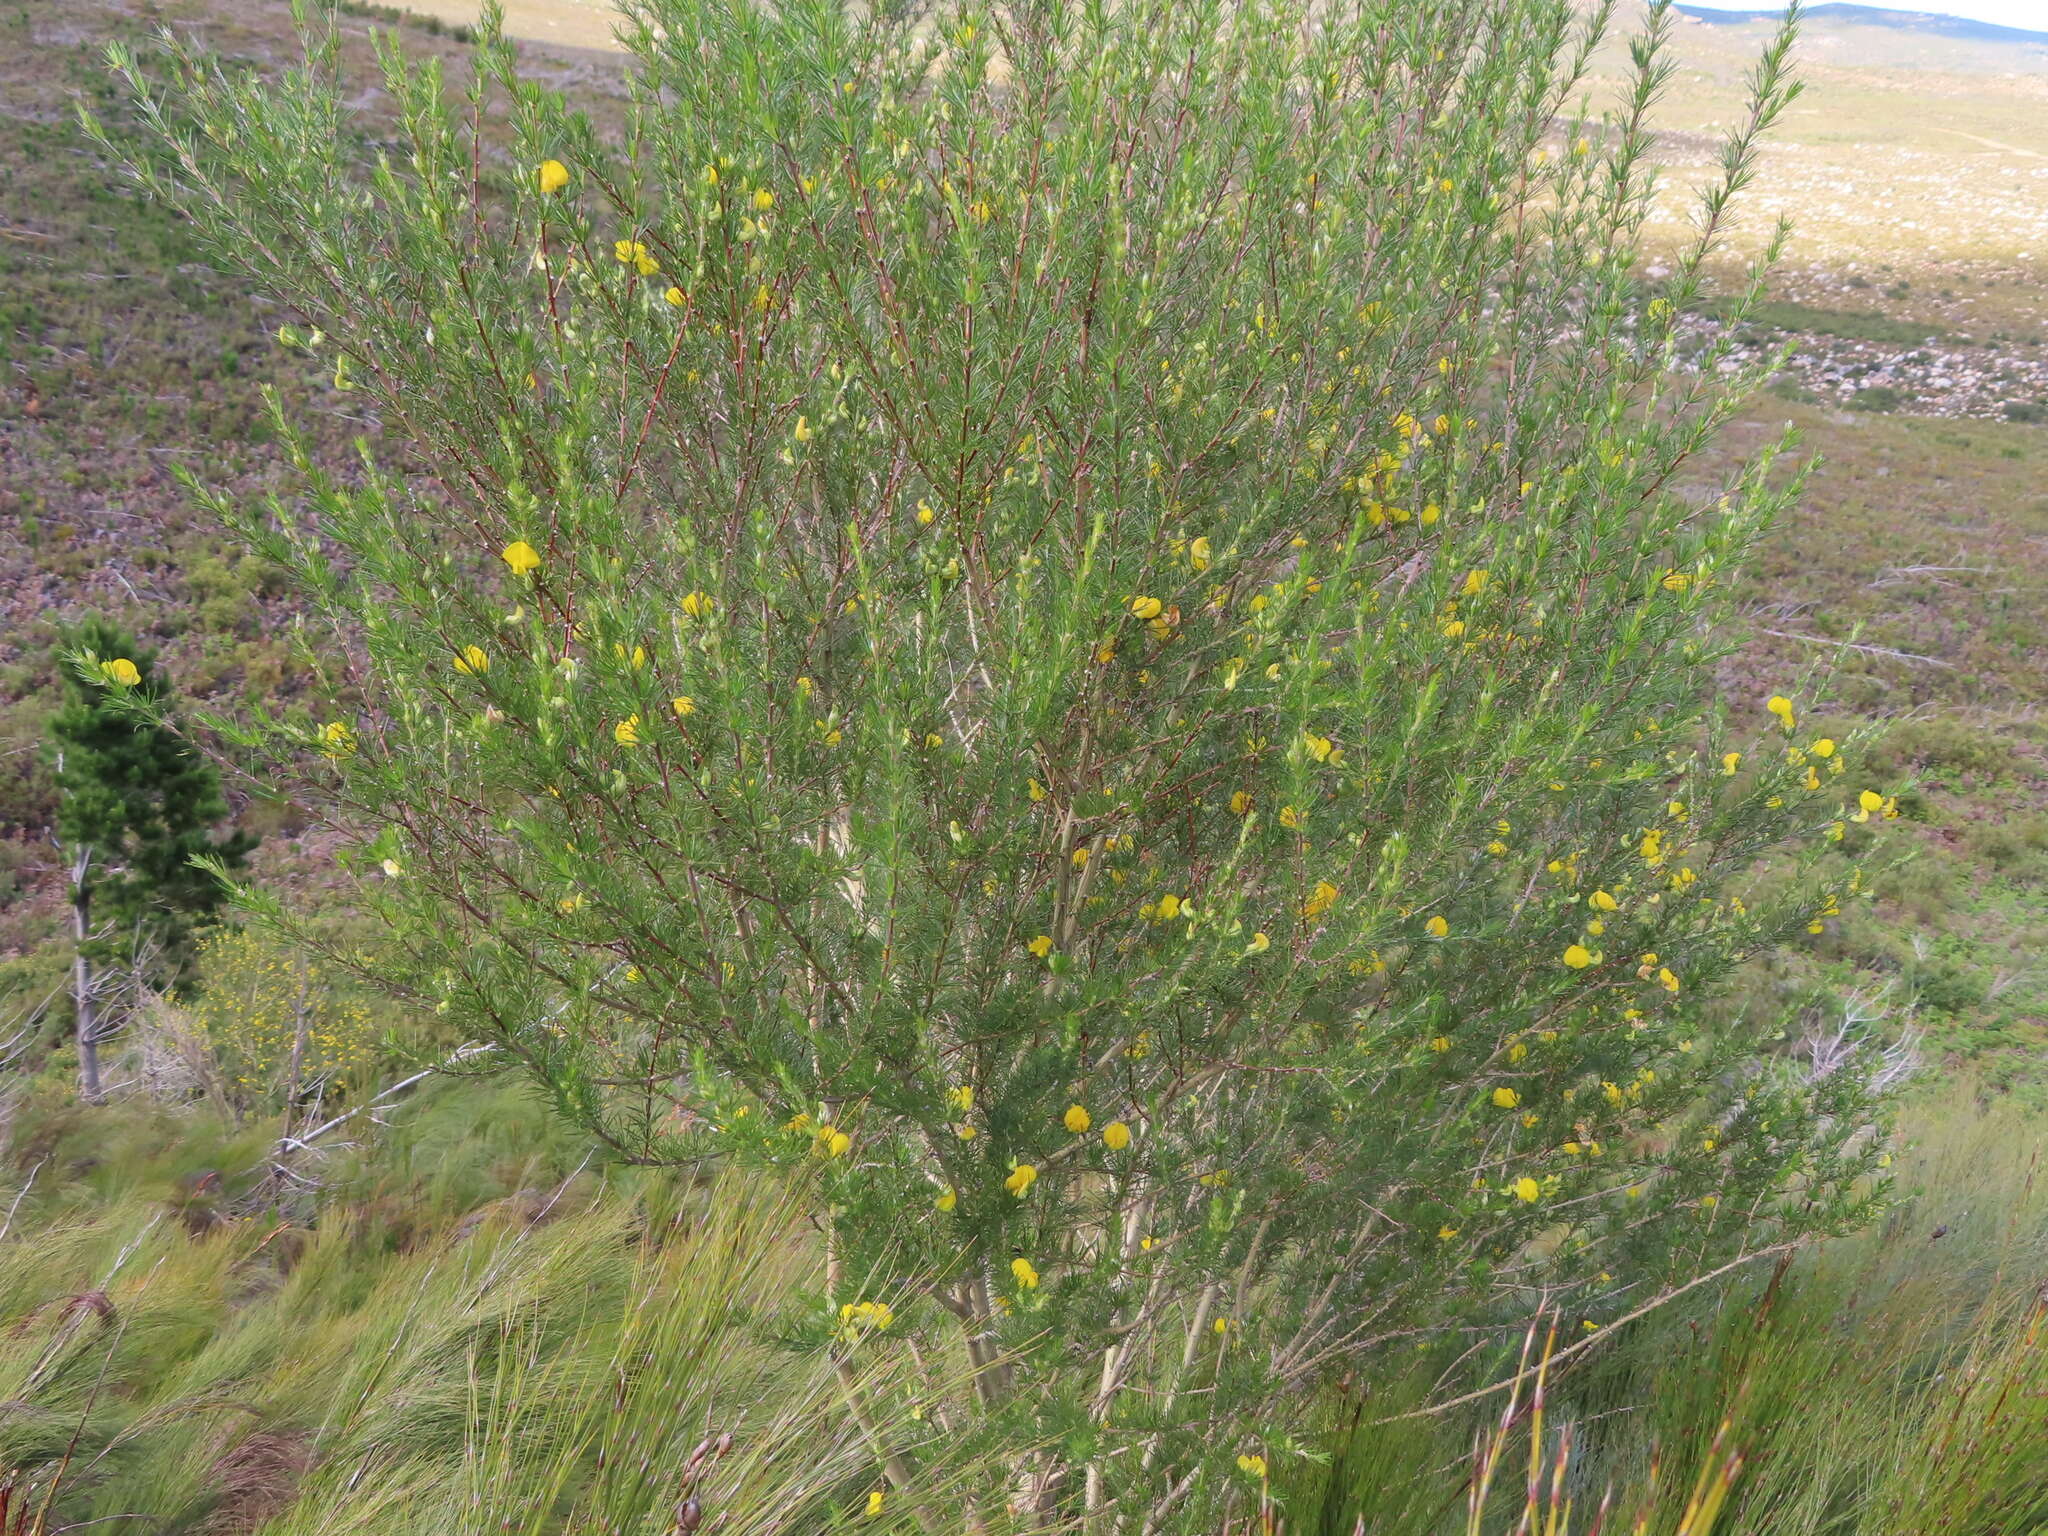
<point x="136" y="804"/>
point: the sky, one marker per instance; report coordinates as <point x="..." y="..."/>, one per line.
<point x="2006" y="13"/>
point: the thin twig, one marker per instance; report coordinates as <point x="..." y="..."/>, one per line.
<point x="1868" y="650"/>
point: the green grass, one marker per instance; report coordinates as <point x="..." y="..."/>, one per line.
<point x="1784" y="317"/>
<point x="1893" y="1383"/>
<point x="474" y="1328"/>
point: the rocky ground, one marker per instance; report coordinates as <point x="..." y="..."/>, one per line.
<point x="1934" y="376"/>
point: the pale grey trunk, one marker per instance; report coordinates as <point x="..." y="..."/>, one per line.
<point x="82" y="982"/>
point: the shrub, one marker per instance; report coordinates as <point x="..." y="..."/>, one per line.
<point x="277" y="1024"/>
<point x="1075" y="619"/>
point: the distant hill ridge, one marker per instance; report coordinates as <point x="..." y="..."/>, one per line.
<point x="1875" y="16"/>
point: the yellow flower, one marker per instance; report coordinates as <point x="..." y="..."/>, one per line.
<point x="121" y="670"/>
<point x="832" y="1141"/>
<point x="1027" y="1277"/>
<point x="874" y="1503"/>
<point x="1527" y="1190"/>
<point x="1198" y="553"/>
<point x="1021" y="1179"/>
<point x="1319" y="899"/>
<point x="1506" y="1098"/>
<point x="675" y="296"/>
<point x="947" y="1199"/>
<point x="1867" y="802"/>
<point x="1577" y="956"/>
<point x="1436" y="928"/>
<point x="1259" y="945"/>
<point x="1440" y="1044"/>
<point x="1666" y="980"/>
<point x="857" y="1316"/>
<point x="1475" y="582"/>
<point x="1730" y="761"/>
<point x="471" y="660"/>
<point x="1252" y="1466"/>
<point x="763" y="200"/>
<point x="521" y="556"/>
<point x="962" y="1097"/>
<point x="683" y="704"/>
<point x="1290" y="818"/>
<point x="337" y="739"/>
<point x="1041" y="946"/>
<point x="1076" y="1119"/>
<point x="627" y="731"/>
<point x="553" y="176"/>
<point x="698" y="605"/>
<point x="1603" y="901"/>
<point x="1825" y="747"/>
<point x="1321" y="748"/>
<point x="1147" y="607"/>
<point x="1781" y="706"/>
<point x="1166" y="909"/>
<point x="1116" y="1135"/>
<point x="803" y="429"/>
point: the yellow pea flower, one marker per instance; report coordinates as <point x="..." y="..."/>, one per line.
<point x="803" y="429"/>
<point x="763" y="200"/>
<point x="471" y="660"/>
<point x="1781" y="706"/>
<point x="1506" y="1098"/>
<point x="1867" y="802"/>
<point x="1730" y="761"/>
<point x="683" y="704"/>
<point x="1577" y="956"/>
<point x="1319" y="899"/>
<point x="1603" y="901"/>
<point x="1076" y="1119"/>
<point x="1475" y="582"/>
<point x="1041" y="946"/>
<point x="627" y="731"/>
<point x="947" y="1199"/>
<point x="1021" y="1178"/>
<point x="1026" y="1276"/>
<point x="552" y="176"/>
<point x="521" y="556"/>
<point x="675" y="296"/>
<point x="1527" y="1190"/>
<point x="698" y="605"/>
<point x="1147" y="608"/>
<point x="1666" y="980"/>
<point x="1252" y="1466"/>
<point x="1116" y="1135"/>
<point x="1825" y="747"/>
<point x="874" y="1503"/>
<point x="121" y="670"/>
<point x="1259" y="945"/>
<point x="1437" y="928"/>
